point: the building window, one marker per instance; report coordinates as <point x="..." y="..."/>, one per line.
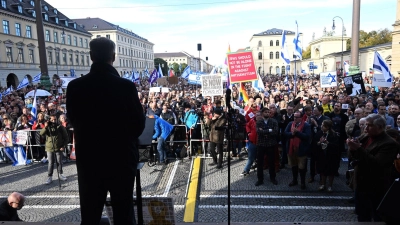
<point x="271" y="43"/>
<point x="58" y="58"/>
<point x="63" y="39"/>
<point x="87" y="61"/>
<point x="119" y="49"/>
<point x="46" y="17"/>
<point x="259" y="55"/>
<point x="75" y="41"/>
<point x="9" y="54"/>
<point x="123" y="52"/>
<point x="277" y="42"/>
<point x="118" y="37"/>
<point x="20" y="58"/>
<point x="77" y="59"/>
<point x="34" y="14"/>
<point x="6" y="27"/>
<point x="69" y="40"/>
<point x="28" y="31"/>
<point x="18" y="29"/>
<point x="271" y="55"/>
<point x="64" y="55"/>
<point x="56" y="20"/>
<point x="283" y="70"/>
<point x="46" y="8"/>
<point x="86" y="43"/>
<point x="32" y="3"/>
<point x="82" y="60"/>
<point x="120" y="64"/>
<point x="81" y="42"/>
<point x="50" y="57"/>
<point x="4" y="4"/>
<point x="55" y="37"/>
<point x="108" y="36"/>
<point x="74" y="25"/>
<point x="277" y="55"/>
<point x="55" y="11"/>
<point x="31" y="58"/>
<point x="97" y="36"/>
<point x="71" y="61"/>
<point x="20" y="9"/>
<point x="66" y="23"/>
<point x="47" y="35"/>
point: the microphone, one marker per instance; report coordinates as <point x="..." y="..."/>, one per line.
<point x="228" y="98"/>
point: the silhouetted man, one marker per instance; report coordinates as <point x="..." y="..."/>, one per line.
<point x="115" y="140"/>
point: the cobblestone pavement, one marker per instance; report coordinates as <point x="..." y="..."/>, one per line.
<point x="46" y="203"/>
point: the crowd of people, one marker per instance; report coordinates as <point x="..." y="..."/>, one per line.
<point x="300" y="124"/>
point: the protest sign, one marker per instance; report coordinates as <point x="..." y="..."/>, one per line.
<point x="241" y="67"/>
<point x="328" y="79"/>
<point x="380" y="81"/>
<point x="173" y="80"/>
<point x="6" y="139"/>
<point x="65" y="81"/>
<point x="20" y="137"/>
<point x="155" y="89"/>
<point x="162" y="81"/>
<point x="354" y="84"/>
<point x="211" y="85"/>
<point x="164" y="90"/>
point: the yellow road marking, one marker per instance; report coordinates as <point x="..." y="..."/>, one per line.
<point x="190" y="206"/>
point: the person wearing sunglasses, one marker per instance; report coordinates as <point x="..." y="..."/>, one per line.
<point x="10" y="206"/>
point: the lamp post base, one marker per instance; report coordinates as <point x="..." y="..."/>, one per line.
<point x="354" y="70"/>
<point x="45" y="81"/>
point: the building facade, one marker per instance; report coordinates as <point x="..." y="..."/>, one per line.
<point x="266" y="47"/>
<point x="133" y="52"/>
<point x="195" y="63"/>
<point x="67" y="44"/>
<point x="396" y="43"/>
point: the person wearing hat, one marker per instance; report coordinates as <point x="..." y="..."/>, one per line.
<point x="217" y="128"/>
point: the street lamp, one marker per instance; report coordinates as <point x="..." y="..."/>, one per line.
<point x="333" y="28"/>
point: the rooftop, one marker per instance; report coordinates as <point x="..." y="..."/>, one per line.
<point x="274" y="31"/>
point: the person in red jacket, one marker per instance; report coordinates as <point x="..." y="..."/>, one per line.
<point x="252" y="142"/>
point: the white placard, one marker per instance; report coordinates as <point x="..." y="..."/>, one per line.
<point x="379" y="81"/>
<point x="65" y="81"/>
<point x="328" y="79"/>
<point x="211" y="85"/>
<point x="164" y="90"/>
<point x="155" y="89"/>
<point x="20" y="137"/>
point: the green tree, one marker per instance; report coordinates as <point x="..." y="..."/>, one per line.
<point x="163" y="64"/>
<point x="368" y="39"/>
<point x="307" y="53"/>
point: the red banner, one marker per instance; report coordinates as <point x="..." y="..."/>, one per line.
<point x="241" y="67"/>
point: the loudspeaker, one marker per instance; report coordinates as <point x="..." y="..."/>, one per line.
<point x="147" y="136"/>
<point x="198" y="47"/>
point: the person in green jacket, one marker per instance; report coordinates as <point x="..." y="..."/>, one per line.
<point x="56" y="140"/>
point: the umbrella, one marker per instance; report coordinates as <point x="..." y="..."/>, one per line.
<point x="39" y="92"/>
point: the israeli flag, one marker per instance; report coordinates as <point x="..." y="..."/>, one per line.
<point x="258" y="84"/>
<point x="36" y="78"/>
<point x="146" y="72"/>
<point x="380" y="66"/>
<point x="126" y="76"/>
<point x="346" y="67"/>
<point x="34" y="109"/>
<point x="286" y="80"/>
<point x="159" y="73"/>
<point x="296" y="41"/>
<point x="186" y="72"/>
<point x="135" y="77"/>
<point x="284" y="49"/>
<point x="8" y="91"/>
<point x="24" y="83"/>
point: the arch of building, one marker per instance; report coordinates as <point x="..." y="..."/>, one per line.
<point x="12" y="80"/>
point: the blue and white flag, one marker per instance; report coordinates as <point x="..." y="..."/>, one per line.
<point x="160" y="74"/>
<point x="284" y="49"/>
<point x="153" y="77"/>
<point x="258" y="84"/>
<point x="146" y="73"/>
<point x="36" y="78"/>
<point x="346" y="68"/>
<point x="296" y="41"/>
<point x="24" y="83"/>
<point x="34" y="109"/>
<point x="136" y="77"/>
<point x="8" y="91"/>
<point x="286" y="80"/>
<point x="381" y="66"/>
<point x="382" y="76"/>
<point x="127" y="76"/>
<point x="186" y="72"/>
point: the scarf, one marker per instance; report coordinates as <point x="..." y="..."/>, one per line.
<point x="295" y="141"/>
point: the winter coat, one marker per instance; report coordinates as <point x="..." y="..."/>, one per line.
<point x="305" y="137"/>
<point x="217" y="130"/>
<point x="162" y="128"/>
<point x="251" y="130"/>
<point x="56" y="133"/>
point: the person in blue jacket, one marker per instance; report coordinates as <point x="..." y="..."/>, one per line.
<point x="162" y="129"/>
<point x="190" y="120"/>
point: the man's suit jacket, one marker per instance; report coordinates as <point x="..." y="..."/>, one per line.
<point x="107" y="118"/>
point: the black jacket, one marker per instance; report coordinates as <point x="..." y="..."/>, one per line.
<point x="89" y="102"/>
<point x="8" y="213"/>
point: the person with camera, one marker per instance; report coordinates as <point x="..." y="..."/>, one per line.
<point x="217" y="128"/>
<point x="56" y="139"/>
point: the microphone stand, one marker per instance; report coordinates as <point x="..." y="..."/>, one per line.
<point x="53" y="154"/>
<point x="230" y="148"/>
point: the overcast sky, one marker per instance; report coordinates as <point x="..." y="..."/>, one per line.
<point x="177" y="25"/>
